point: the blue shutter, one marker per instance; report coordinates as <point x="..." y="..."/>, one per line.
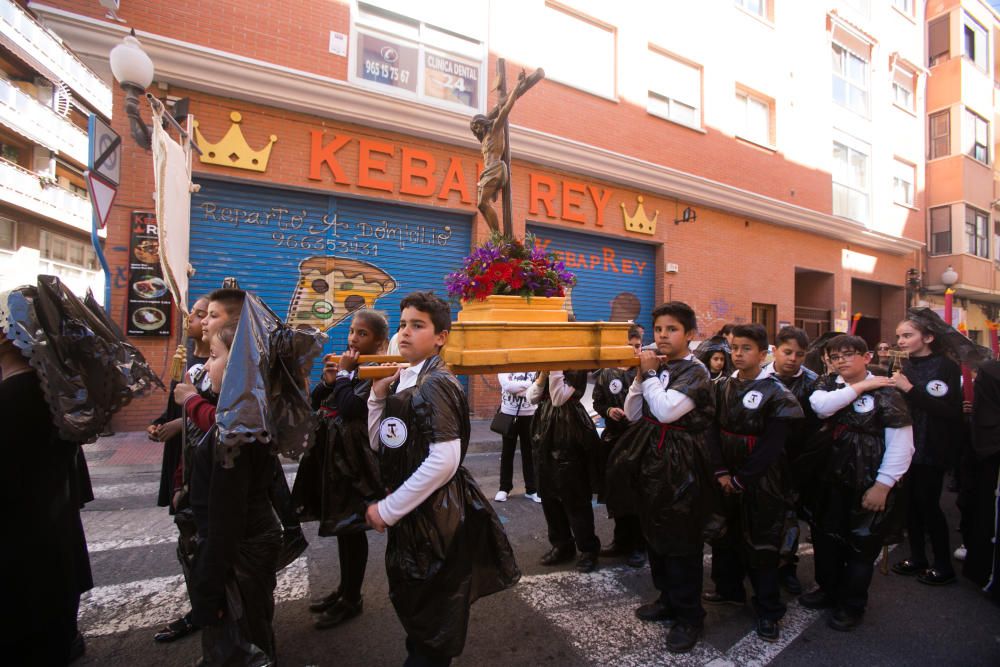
<point x="262" y="235"/>
<point x="616" y="279"/>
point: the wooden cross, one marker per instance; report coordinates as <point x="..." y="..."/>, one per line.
<point x="508" y="224"/>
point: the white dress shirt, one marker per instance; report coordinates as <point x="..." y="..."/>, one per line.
<point x="559" y="391"/>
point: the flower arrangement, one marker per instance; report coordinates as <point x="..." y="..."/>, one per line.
<point x="507" y="266"/>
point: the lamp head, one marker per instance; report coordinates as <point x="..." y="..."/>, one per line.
<point x="949" y="277"/>
<point x="130" y="64"/>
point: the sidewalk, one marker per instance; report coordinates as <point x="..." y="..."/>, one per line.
<point x="134" y="451"/>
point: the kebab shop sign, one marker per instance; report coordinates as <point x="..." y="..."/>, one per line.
<point x="394" y="168"/>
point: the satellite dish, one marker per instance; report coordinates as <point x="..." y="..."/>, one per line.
<point x="61" y="99"/>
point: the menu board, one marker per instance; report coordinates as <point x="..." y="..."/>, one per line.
<point x="149" y="305"/>
<point x="452" y="80"/>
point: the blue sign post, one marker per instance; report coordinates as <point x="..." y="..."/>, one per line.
<point x="104" y="165"/>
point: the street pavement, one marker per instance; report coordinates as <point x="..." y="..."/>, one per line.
<point x="554" y="616"/>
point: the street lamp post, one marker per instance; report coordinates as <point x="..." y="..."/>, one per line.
<point x="949" y="278"/>
<point x="133" y="70"/>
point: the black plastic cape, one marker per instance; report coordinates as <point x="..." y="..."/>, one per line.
<point x="452" y="549"/>
<point x="564" y="443"/>
<point x="339" y="477"/>
<point x="663" y="472"/>
<point x="263" y="397"/>
<point x="611" y="386"/>
<point x="757" y="516"/>
<point x="857" y="444"/>
<point x="86" y="368"/>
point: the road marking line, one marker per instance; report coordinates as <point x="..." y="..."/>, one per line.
<point x="596" y="611"/>
<point x="107" y="610"/>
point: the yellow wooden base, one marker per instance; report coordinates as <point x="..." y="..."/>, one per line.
<point x="501" y="347"/>
<point x="499" y="308"/>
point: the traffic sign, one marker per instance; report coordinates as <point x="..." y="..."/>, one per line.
<point x="105" y="156"/>
<point x="102" y="195"/>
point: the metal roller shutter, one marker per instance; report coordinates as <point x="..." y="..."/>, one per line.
<point x="314" y="258"/>
<point x="615" y="277"/>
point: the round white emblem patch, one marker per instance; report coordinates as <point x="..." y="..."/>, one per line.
<point x="752" y="400"/>
<point x="392" y="432"/>
<point x="615" y="386"/>
<point x="864" y="403"/>
<point x="937" y="388"/>
<point x="665" y="377"/>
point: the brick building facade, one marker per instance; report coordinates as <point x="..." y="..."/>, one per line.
<point x="781" y="232"/>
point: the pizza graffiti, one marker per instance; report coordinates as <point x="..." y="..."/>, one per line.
<point x="331" y="288"/>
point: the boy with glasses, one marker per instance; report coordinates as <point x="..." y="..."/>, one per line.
<point x="857" y="511"/>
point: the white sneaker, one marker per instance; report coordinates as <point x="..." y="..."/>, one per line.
<point x="960" y="552"/>
<point x="533" y="496"/>
<point x="500" y="497"/>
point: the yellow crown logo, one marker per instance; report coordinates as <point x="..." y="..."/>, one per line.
<point x="233" y="151"/>
<point x="638" y="222"/>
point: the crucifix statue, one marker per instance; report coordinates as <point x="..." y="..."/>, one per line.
<point x="493" y="131"/>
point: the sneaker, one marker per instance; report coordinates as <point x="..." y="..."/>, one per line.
<point x="533" y="497"/>
<point x="500" y="497"/>
<point x="960" y="552"/>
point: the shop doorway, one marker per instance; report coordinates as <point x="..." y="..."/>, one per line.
<point x="813" y="301"/>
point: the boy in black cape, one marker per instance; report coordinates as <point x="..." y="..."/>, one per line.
<point x="801" y="453"/>
<point x="662" y="460"/>
<point x="857" y="509"/>
<point x="753" y="409"/>
<point x="611" y="386"/>
<point x="446" y="545"/>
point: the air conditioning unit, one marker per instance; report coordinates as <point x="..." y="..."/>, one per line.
<point x="672" y="268"/>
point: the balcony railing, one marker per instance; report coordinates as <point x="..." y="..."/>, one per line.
<point x="32" y="119"/>
<point x="24" y="189"/>
<point x="26" y="37"/>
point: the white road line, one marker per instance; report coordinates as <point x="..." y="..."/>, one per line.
<point x="120" y="529"/>
<point x="130" y="543"/>
<point x="106" y="610"/>
<point x="596" y="611"/>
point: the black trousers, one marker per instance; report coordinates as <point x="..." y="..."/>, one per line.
<point x="678" y="578"/>
<point x="925" y="518"/>
<point x="570" y="522"/>
<point x="521" y="430"/>
<point x="353" y="551"/>
<point x="628" y="533"/>
<point x="731" y="565"/>
<point x="49" y="644"/>
<point x="843" y="572"/>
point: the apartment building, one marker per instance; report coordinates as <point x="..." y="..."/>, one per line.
<point x="963" y="186"/>
<point x="762" y="160"/>
<point x="46" y="96"/>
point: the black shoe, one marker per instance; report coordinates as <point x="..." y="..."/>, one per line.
<point x="587" y="562"/>
<point x="558" y="555"/>
<point x="935" y="577"/>
<point x="636" y="559"/>
<point x="174" y="630"/>
<point x="682" y="638"/>
<point x="322" y="604"/>
<point x="77" y="648"/>
<point x="789" y="581"/>
<point x="715" y="598"/>
<point x="843" y="620"/>
<point x="768" y="630"/>
<point x="614" y="551"/>
<point x="293" y="544"/>
<point x="341" y="611"/>
<point x="654" y="611"/>
<point x="908" y="568"/>
<point x="817" y="599"/>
